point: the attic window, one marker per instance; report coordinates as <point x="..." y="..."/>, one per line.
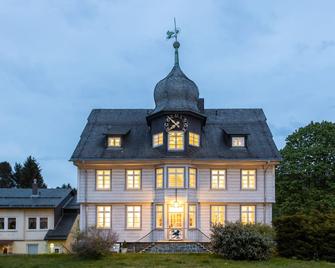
<point x="114" y="141"/>
<point x="157" y="139"/>
<point x="238" y="141"/>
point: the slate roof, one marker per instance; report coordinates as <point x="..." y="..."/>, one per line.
<point x="137" y="144"/>
<point x="63" y="227"/>
<point x="22" y="198"/>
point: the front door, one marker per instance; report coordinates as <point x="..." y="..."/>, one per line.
<point x="176" y="222"/>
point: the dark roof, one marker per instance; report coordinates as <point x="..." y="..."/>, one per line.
<point x="117" y="130"/>
<point x="138" y="145"/>
<point x="62" y="228"/>
<point x="22" y="198"/>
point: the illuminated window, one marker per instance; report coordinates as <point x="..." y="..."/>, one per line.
<point x="192" y="216"/>
<point x="159" y="216"/>
<point x="176" y="140"/>
<point x="192" y="178"/>
<point x="159" y="178"/>
<point x="176" y="177"/>
<point x="103" y="179"/>
<point x="248" y="214"/>
<point x="103" y="216"/>
<point x="194" y="139"/>
<point x="134" y="179"/>
<point x="32" y="223"/>
<point x="114" y="141"/>
<point x="238" y="142"/>
<point x="157" y="139"/>
<point x="248" y="180"/>
<point x="44" y="223"/>
<point x="11" y="223"/>
<point x="133" y="217"/>
<point x="218" y="214"/>
<point x="218" y="179"/>
<point x="2" y="223"/>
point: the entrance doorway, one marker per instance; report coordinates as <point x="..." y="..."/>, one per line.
<point x="176" y="222"/>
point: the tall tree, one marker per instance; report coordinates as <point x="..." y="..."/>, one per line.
<point x="306" y="176"/>
<point x="6" y="176"/>
<point x="28" y="172"/>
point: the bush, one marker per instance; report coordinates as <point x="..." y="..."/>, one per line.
<point x="94" y="243"/>
<point x="242" y="242"/>
<point x="306" y="236"/>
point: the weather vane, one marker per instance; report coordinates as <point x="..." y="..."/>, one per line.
<point x="176" y="44"/>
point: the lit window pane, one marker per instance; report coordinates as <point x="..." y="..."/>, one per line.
<point x="133" y="180"/>
<point x="192" y="216"/>
<point x="133" y="217"/>
<point x="176" y="140"/>
<point x="248" y="214"/>
<point x="192" y="176"/>
<point x="194" y="139"/>
<point x="176" y="177"/>
<point x="238" y="141"/>
<point x="218" y="179"/>
<point x="248" y="179"/>
<point x="159" y="216"/>
<point x="159" y="178"/>
<point x="114" y="141"/>
<point x="157" y="139"/>
<point x="218" y="214"/>
<point x="103" y="179"/>
<point x="103" y="217"/>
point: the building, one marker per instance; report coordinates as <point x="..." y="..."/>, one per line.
<point x="169" y="173"/>
<point x="30" y="218"/>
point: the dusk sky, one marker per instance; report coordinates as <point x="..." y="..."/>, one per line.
<point x="60" y="59"/>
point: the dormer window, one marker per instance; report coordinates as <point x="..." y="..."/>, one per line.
<point x="194" y="139"/>
<point x="238" y="141"/>
<point x="114" y="141"/>
<point x="157" y="139"/>
<point x="176" y="140"/>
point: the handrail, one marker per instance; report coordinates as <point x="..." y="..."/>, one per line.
<point x="145" y="235"/>
<point x="203" y="234"/>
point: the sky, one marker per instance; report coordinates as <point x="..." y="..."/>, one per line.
<point x="61" y="58"/>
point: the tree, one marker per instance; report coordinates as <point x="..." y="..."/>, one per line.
<point x="6" y="176"/>
<point x="28" y="172"/>
<point x="306" y="176"/>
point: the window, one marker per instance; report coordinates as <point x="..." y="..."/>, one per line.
<point x="11" y="223"/>
<point x="114" y="141"/>
<point x="176" y="141"/>
<point x="248" y="214"/>
<point x="238" y="141"/>
<point x="194" y="139"/>
<point x="103" y="178"/>
<point x="192" y="216"/>
<point x="176" y="177"/>
<point x="32" y="223"/>
<point x="2" y="223"/>
<point x="192" y="178"/>
<point x="157" y="139"/>
<point x="218" y="214"/>
<point x="133" y="217"/>
<point x="103" y="217"/>
<point x="248" y="179"/>
<point x="159" y="216"/>
<point x="44" y="223"/>
<point x="218" y="179"/>
<point x="134" y="179"/>
<point x="159" y="178"/>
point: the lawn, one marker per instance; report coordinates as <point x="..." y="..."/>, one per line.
<point x="149" y="260"/>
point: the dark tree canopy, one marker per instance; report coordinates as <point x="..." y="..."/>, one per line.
<point x="6" y="176"/>
<point x="28" y="172"/>
<point x="306" y="175"/>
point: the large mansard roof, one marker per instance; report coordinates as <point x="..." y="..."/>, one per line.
<point x="138" y="141"/>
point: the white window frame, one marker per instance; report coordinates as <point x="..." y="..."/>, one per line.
<point x="159" y="172"/>
<point x="4" y="224"/>
<point x="104" y="178"/>
<point x="247" y="177"/>
<point x="238" y="141"/>
<point x="195" y="177"/>
<point x="114" y="141"/>
<point x="103" y="216"/>
<point x="8" y="218"/>
<point x="173" y="140"/>
<point x="248" y="210"/>
<point x="133" y="212"/>
<point x="216" y="209"/>
<point x="175" y="173"/>
<point x="36" y="222"/>
<point x="131" y="176"/>
<point x="193" y="139"/>
<point x="194" y="212"/>
<point x="218" y="175"/>
<point x="159" y="213"/>
<point x="157" y="139"/>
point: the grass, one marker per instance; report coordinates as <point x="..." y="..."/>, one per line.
<point x="150" y="260"/>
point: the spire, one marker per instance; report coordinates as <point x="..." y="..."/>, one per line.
<point x="176" y="44"/>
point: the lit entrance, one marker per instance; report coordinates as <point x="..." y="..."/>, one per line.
<point x="176" y="222"/>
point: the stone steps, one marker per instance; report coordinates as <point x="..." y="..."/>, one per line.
<point x="176" y="247"/>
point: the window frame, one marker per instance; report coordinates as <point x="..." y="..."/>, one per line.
<point x="225" y="178"/>
<point x="224" y="214"/>
<point x="3" y="220"/>
<point x="126" y="180"/>
<point x="126" y="220"/>
<point x="156" y="185"/>
<point x="11" y="218"/>
<point x="114" y="137"/>
<point x="36" y="220"/>
<point x="104" y="217"/>
<point x="189" y="139"/>
<point x="153" y="139"/>
<point x="168" y="179"/>
<point x="241" y="180"/>
<point x="196" y="178"/>
<point x="239" y="137"/>
<point x="162" y="206"/>
<point x="47" y="222"/>
<point x="255" y="213"/>
<point x="195" y="216"/>
<point x="168" y="142"/>
<point x="96" y="180"/>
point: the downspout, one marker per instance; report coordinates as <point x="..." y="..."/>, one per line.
<point x="265" y="168"/>
<point x="85" y="200"/>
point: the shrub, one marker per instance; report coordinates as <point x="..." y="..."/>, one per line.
<point x="306" y="236"/>
<point x="242" y="242"/>
<point x="94" y="243"/>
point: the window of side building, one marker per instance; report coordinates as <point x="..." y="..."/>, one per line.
<point x="32" y="223"/>
<point x="2" y="223"/>
<point x="103" y="179"/>
<point x="159" y="178"/>
<point x="43" y="223"/>
<point x="159" y="217"/>
<point x="176" y="177"/>
<point x="248" y="214"/>
<point x="218" y="214"/>
<point x="192" y="216"/>
<point x="103" y="217"/>
<point x="248" y="179"/>
<point x="194" y="139"/>
<point x="133" y="179"/>
<point x="11" y="224"/>
<point x="133" y="217"/>
<point x="218" y="179"/>
<point x="175" y="140"/>
<point x="114" y="142"/>
<point x="192" y="178"/>
<point x="157" y="139"/>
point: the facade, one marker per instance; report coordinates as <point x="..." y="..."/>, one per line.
<point x="169" y="173"/>
<point x="27" y="219"/>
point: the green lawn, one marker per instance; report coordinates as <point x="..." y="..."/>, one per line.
<point x="148" y="260"/>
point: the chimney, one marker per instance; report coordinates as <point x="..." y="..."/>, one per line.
<point x="35" y="188"/>
<point x="201" y="104"/>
